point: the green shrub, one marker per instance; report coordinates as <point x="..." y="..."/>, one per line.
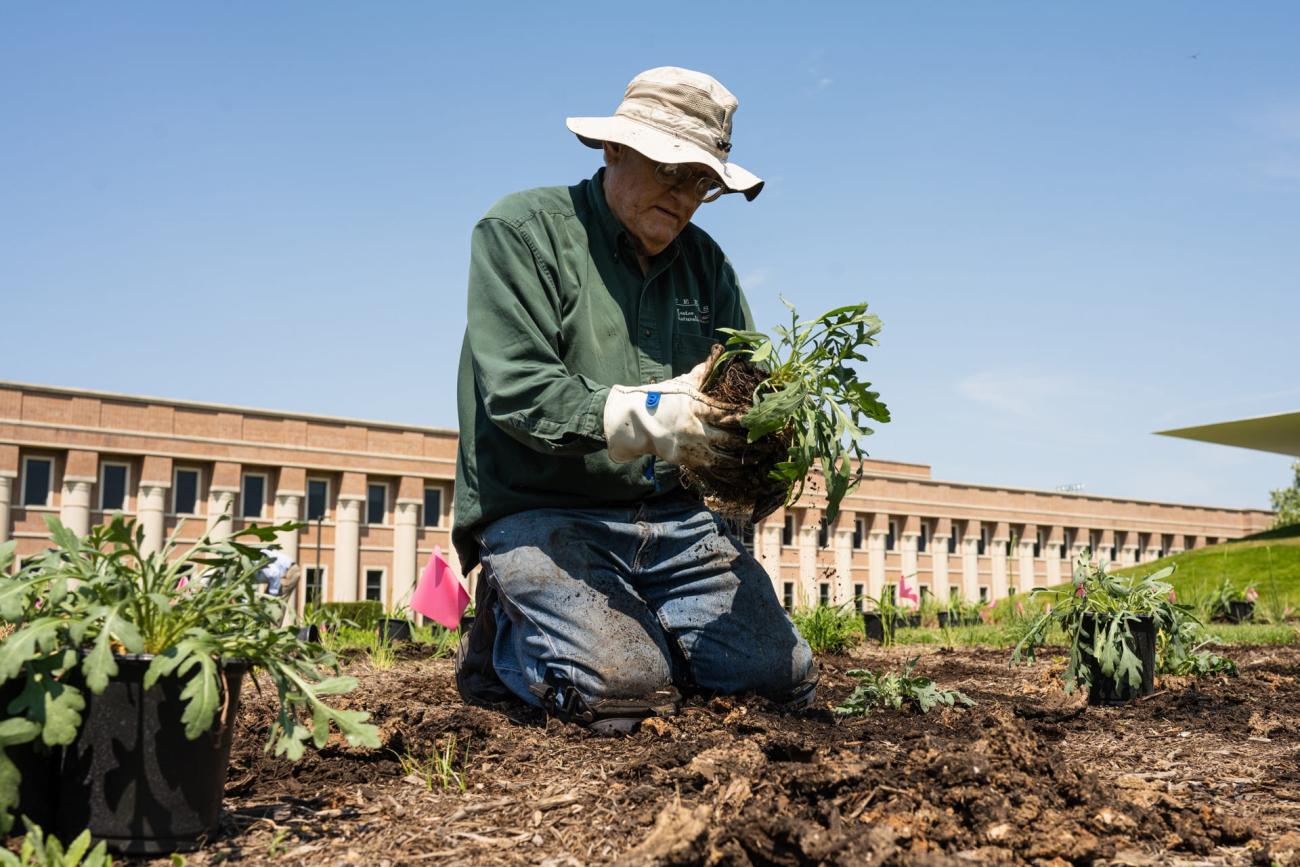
<point x="828" y="629"/>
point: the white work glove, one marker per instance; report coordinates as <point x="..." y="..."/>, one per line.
<point x="673" y="421"/>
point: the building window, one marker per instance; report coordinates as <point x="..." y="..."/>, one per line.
<point x="318" y="499"/>
<point x="984" y="594"/>
<point x="891" y="535"/>
<point x="376" y="502"/>
<point x="1038" y="544"/>
<point x="746" y="535"/>
<point x="824" y="593"/>
<point x="954" y="595"/>
<point x="185" y="492"/>
<point x="1094" y="543"/>
<point x="787" y="595"/>
<point x="38" y="479"/>
<point x="433" y="507"/>
<point x="313" y="583"/>
<point x="823" y="534"/>
<point x="113" y="482"/>
<point x="925" y="592"/>
<point x="252" y="500"/>
<point x="952" y="539"/>
<point x="859" y="591"/>
<point x="924" y="539"/>
<point x="982" y="545"/>
<point x="375" y="585"/>
<point x="859" y="533"/>
<point x="787" y="531"/>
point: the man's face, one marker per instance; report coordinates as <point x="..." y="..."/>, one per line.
<point x="652" y="213"/>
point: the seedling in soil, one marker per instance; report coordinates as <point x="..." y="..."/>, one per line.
<point x="806" y="408"/>
<point x="894" y="689"/>
<point x="39" y="850"/>
<point x="828" y="629"/>
<point x="440" y="766"/>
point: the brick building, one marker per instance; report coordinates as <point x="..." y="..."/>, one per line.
<point x="376" y="499"/>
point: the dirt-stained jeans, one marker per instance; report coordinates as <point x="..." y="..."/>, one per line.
<point x="622" y="602"/>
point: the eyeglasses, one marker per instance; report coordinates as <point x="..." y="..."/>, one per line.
<point x="705" y="187"/>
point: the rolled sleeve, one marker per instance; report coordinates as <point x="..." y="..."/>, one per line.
<point x="515" y="340"/>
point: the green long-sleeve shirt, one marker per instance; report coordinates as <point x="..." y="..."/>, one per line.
<point x="559" y="311"/>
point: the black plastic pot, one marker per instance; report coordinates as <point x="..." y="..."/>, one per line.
<point x="913" y="620"/>
<point x="466" y="622"/>
<point x="310" y="633"/>
<point x="944" y="618"/>
<point x="1241" y="611"/>
<point x="133" y="778"/>
<point x="1106" y="690"/>
<point x="392" y="629"/>
<point x="37" y="764"/>
<point x="874" y="626"/>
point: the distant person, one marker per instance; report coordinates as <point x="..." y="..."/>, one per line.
<point x="607" y="588"/>
<point x="280" y="575"/>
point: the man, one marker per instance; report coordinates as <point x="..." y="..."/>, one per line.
<point x="605" y="586"/>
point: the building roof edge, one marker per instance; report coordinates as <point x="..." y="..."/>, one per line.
<point x="249" y="410"/>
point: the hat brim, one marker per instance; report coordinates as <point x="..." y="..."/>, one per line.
<point x="662" y="147"/>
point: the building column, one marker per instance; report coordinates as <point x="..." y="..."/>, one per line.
<point x="150" y="508"/>
<point x="221" y="504"/>
<point x="6" y="505"/>
<point x="1153" y="547"/>
<point x="1128" y="548"/>
<point x="1105" y="542"/>
<point x="406" y="561"/>
<point x="1025" y="572"/>
<point x="843" y="542"/>
<point x="80" y="473"/>
<point x="767" y="545"/>
<point x="1054" y="558"/>
<point x="875" y="562"/>
<point x="347" y="549"/>
<point x="998" y="555"/>
<point x="74" y="505"/>
<point x="969" y="542"/>
<point x="288" y="509"/>
<point x="806" y="590"/>
<point x="939" y="584"/>
<point x="908" y="555"/>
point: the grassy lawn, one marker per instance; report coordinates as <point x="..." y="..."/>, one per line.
<point x="1270" y="565"/>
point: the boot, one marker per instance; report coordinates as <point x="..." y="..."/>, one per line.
<point x="476" y="678"/>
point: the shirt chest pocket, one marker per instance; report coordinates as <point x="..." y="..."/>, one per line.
<point x="689" y="350"/>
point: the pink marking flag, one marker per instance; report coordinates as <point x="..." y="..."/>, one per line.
<point x="905" y="592"/>
<point x="439" y="594"/>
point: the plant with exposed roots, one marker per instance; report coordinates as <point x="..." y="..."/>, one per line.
<point x="807" y="408"/>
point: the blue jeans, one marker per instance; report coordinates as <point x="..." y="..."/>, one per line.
<point x="623" y="602"/>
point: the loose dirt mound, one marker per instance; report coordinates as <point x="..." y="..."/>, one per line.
<point x="1028" y="776"/>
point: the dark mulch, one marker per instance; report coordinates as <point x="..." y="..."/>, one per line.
<point x="1203" y="772"/>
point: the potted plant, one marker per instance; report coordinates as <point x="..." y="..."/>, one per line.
<point x="1228" y="603"/>
<point x="129" y="667"/>
<point x="802" y="400"/>
<point x="1113" y="626"/>
<point x="395" y="625"/>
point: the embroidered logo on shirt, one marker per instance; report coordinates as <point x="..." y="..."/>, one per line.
<point x="691" y="310"/>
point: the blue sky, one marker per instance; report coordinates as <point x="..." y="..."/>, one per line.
<point x="1078" y="222"/>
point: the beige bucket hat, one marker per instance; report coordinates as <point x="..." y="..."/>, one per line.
<point x="674" y="115"/>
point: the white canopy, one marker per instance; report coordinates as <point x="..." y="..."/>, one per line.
<point x="1266" y="433"/>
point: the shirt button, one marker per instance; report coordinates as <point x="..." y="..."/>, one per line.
<point x="646" y="331"/>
